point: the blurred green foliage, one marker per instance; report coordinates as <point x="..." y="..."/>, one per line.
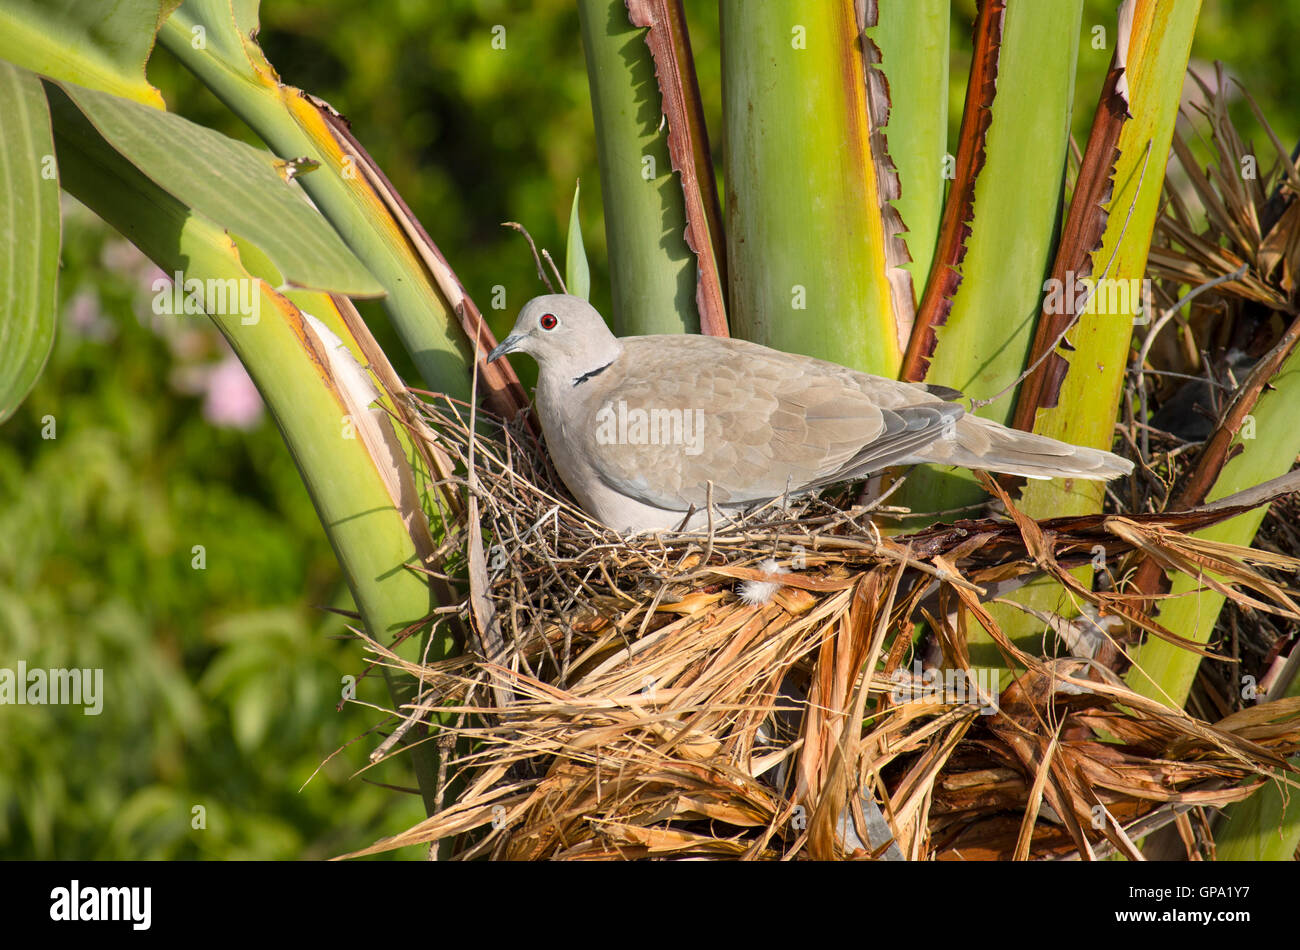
<point x="221" y="684"/>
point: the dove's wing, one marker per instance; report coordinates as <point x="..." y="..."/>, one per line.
<point x="755" y="422"/>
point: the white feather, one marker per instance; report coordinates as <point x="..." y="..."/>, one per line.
<point x="760" y="593"/>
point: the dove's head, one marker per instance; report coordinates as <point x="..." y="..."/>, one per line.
<point x="565" y="334"/>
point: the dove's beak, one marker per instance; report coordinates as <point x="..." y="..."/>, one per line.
<point x="508" y="345"/>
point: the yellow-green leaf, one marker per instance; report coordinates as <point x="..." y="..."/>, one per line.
<point x="89" y="42"/>
<point x="29" y="235"/>
<point x="246" y="190"/>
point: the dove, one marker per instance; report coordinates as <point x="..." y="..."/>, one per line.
<point x="646" y="430"/>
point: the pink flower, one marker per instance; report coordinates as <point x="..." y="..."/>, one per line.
<point x="84" y="317"/>
<point x="232" y="400"/>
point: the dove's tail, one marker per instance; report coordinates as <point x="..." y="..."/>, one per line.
<point x="981" y="444"/>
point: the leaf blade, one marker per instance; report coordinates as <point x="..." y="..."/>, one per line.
<point x="77" y="41"/>
<point x="577" y="273"/>
<point x="241" y="188"/>
<point x="30" y="236"/>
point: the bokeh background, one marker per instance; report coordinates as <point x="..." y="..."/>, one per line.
<point x="223" y="684"/>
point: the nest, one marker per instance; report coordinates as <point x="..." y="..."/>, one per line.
<point x="759" y="690"/>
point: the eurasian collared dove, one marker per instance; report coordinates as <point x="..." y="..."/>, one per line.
<point x="639" y="426"/>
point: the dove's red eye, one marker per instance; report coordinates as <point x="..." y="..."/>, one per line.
<point x="548" y="321"/>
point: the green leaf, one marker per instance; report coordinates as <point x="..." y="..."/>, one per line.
<point x="344" y="480"/>
<point x="1099" y="344"/>
<point x="651" y="267"/>
<point x="577" y="275"/>
<point x="913" y="42"/>
<point x="294" y="125"/>
<point x="808" y="247"/>
<point x="227" y="27"/>
<point x="238" y="187"/>
<point x="1264" y="827"/>
<point x="30" y="235"/>
<point x="82" y="42"/>
<point x="1011" y="240"/>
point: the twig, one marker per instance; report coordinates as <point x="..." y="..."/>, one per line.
<point x="515" y="225"/>
<point x="555" y="270"/>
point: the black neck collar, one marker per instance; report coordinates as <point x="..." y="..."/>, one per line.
<point x="579" y="380"/>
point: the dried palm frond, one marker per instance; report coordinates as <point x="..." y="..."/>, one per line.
<point x="1232" y="223"/>
<point x="754" y="691"/>
<point x="1231" y="232"/>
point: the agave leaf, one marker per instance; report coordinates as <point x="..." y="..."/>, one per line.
<point x="435" y="318"/>
<point x="688" y="148"/>
<point x="293" y="371"/>
<point x="1111" y="219"/>
<point x="80" y="41"/>
<point x="954" y="232"/>
<point x="810" y="253"/>
<point x="976" y="318"/>
<point x="244" y="189"/>
<point x="31" y="230"/>
<point x="912" y="39"/>
<point x="1083" y="409"/>
<point x="652" y="269"/>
